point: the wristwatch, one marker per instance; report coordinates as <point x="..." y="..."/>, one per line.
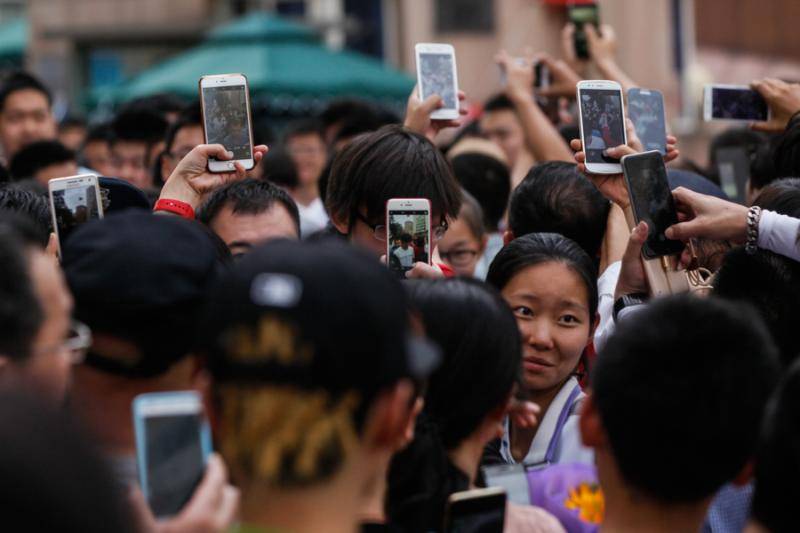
<point x="628" y="300"/>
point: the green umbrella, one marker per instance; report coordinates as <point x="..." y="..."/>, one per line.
<point x="281" y="60"/>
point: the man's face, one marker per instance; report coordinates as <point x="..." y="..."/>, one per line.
<point x="72" y="137"/>
<point x="97" y="155"/>
<point x="25" y="118"/>
<point x="503" y="128"/>
<point x="185" y="140"/>
<point x="129" y="159"/>
<point x="241" y="232"/>
<point x="57" y="170"/>
<point x="49" y="366"/>
<point x="309" y="155"/>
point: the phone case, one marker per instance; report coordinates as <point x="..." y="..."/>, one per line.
<point x="249" y="115"/>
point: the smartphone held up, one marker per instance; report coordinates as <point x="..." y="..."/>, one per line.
<point x="74" y="200"/>
<point x="602" y="124"/>
<point x="436" y="74"/>
<point x="733" y="102"/>
<point x="408" y="234"/>
<point x="225" y="101"/>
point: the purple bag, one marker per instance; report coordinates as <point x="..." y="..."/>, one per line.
<point x="571" y="493"/>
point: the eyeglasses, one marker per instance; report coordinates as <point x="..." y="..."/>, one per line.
<point x="379" y="230"/>
<point x="459" y="258"/>
<point x="77" y="343"/>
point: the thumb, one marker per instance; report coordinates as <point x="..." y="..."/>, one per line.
<point x="682" y="231"/>
<point x="761" y="126"/>
<point x="637" y="239"/>
<point x="686" y="197"/>
<point x="431" y="104"/>
<point x="216" y="151"/>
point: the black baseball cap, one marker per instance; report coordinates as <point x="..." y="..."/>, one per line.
<point x="317" y="316"/>
<point x="119" y="195"/>
<point x="142" y="278"/>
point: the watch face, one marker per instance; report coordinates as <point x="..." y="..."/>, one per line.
<point x="628" y="300"/>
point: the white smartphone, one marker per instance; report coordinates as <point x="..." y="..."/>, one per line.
<point x="173" y="443"/>
<point x="512" y="478"/>
<point x="482" y="510"/>
<point x="74" y="200"/>
<point x="436" y="74"/>
<point x="408" y="234"/>
<point x="225" y="101"/>
<point x="602" y="123"/>
<point x="734" y="102"/>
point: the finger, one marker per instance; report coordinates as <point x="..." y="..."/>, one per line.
<point x="683" y="231"/>
<point x="591" y="34"/>
<point x="633" y="139"/>
<point x="431" y="104"/>
<point x="685" y="197"/>
<point x="216" y="151"/>
<point x="761" y="126"/>
<point x="618" y="151"/>
<point x="209" y="492"/>
<point x="637" y="239"/>
<point x="576" y="145"/>
<point x="462" y="96"/>
<point x="671" y="139"/>
<point x="383" y="259"/>
<point x="671" y="155"/>
<point x="240" y="173"/>
<point x="502" y="58"/>
<point x="228" y="510"/>
<point x="580" y="157"/>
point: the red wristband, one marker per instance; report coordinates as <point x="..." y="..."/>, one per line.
<point x="182" y="209"/>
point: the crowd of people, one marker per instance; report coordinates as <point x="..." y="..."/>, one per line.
<point x="344" y="399"/>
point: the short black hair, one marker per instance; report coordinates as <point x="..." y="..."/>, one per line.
<point x="279" y="168"/>
<point x="778" y="458"/>
<point x="339" y="110"/>
<point x="781" y="196"/>
<point x="787" y="150"/>
<point x="488" y="180"/>
<point x="249" y="196"/>
<point x="161" y="103"/>
<point x="771" y="284"/>
<point x="38" y="155"/>
<point x="72" y="121"/>
<point x="392" y="162"/>
<point x="303" y="127"/>
<point x="33" y="206"/>
<point x="19" y="81"/>
<point x="99" y="132"/>
<point x="555" y="197"/>
<point x="47" y="487"/>
<point x="498" y="102"/>
<point x="356" y="125"/>
<point x="21" y="313"/>
<point x="135" y="125"/>
<point x="695" y="401"/>
<point x="191" y="115"/>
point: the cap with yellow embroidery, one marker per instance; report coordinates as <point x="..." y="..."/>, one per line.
<point x="316" y="316"/>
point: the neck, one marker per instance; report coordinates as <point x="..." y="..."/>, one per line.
<point x="305" y="194"/>
<point x="330" y="507"/>
<point x="627" y="509"/>
<point x="467" y="457"/>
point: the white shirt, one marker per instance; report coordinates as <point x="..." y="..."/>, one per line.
<point x="406" y="257"/>
<point x="313" y="217"/>
<point x="567" y="445"/>
<point x="606" y="286"/>
<point x="779" y="233"/>
<point x="493" y="245"/>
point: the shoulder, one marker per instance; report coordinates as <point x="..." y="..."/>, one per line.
<point x="530" y="519"/>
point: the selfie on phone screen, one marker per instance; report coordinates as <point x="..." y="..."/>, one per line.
<point x="408" y="240"/>
<point x="226" y="119"/>
<point x="601" y="113"/>
<point x="436" y="73"/>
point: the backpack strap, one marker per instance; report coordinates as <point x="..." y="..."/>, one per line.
<point x="566" y="411"/>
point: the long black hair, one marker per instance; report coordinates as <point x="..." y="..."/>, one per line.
<point x="539" y="248"/>
<point x="481" y="350"/>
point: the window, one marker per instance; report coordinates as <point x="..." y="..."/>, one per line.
<point x="465" y="16"/>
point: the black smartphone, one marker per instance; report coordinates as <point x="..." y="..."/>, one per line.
<point x="651" y="199"/>
<point x="733" y="102"/>
<point x="581" y="13"/>
<point x="733" y="169"/>
<point x="542" y="80"/>
<point x="646" y="110"/>
<point x="476" y="511"/>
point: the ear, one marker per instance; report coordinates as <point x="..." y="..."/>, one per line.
<point x="745" y="474"/>
<point x="388" y="418"/>
<point x="411" y="423"/>
<point x="508" y="236"/>
<point x="343" y="226"/>
<point x="593" y="328"/>
<point x="592" y="432"/>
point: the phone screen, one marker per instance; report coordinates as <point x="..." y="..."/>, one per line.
<point x="227" y="121"/>
<point x="409" y="235"/>
<point x="175" y="460"/>
<point x="646" y="110"/>
<point x="737" y="104"/>
<point x="74" y="206"/>
<point x="733" y="168"/>
<point x="603" y="128"/>
<point x="513" y="478"/>
<point x="478" y="515"/>
<point x="579" y="15"/>
<point x="652" y="202"/>
<point x="436" y="77"/>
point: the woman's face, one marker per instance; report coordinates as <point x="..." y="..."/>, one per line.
<point x="460" y="249"/>
<point x="551" y="305"/>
